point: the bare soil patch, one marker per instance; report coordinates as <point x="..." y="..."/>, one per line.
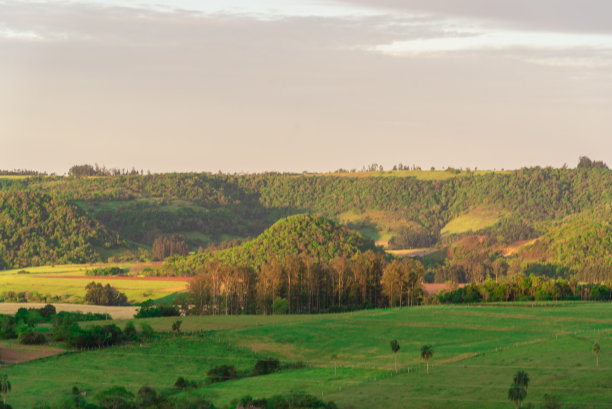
<point x="14" y="354"/>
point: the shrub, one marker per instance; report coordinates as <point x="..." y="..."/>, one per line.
<point x="30" y="337"/>
<point x="280" y="305"/>
<point x="182" y="383"/>
<point x="266" y="366"/>
<point x="129" y="331"/>
<point x="146" y="330"/>
<point x="106" y="271"/>
<point x="149" y="310"/>
<point x="222" y="373"/>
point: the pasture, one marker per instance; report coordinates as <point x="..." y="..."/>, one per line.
<point x="474" y="220"/>
<point x="477" y="350"/>
<point x="69" y="281"/>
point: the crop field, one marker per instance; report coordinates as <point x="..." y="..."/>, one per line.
<point x="477" y="349"/>
<point x="69" y="281"/>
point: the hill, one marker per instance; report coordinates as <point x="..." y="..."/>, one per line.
<point x="306" y="235"/>
<point x="401" y="209"/>
<point x="37" y="229"/>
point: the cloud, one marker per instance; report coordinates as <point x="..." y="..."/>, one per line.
<point x="589" y="16"/>
<point x="185" y="90"/>
<point x="487" y="40"/>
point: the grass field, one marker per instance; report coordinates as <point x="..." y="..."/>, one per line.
<point x="477" y="350"/>
<point x="69" y="281"/>
<point x="473" y="220"/>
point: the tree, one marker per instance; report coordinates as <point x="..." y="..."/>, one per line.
<point x="5" y="387"/>
<point x="176" y="327"/>
<point x="334" y="358"/>
<point x="521" y="378"/>
<point x="517" y="394"/>
<point x="426" y="354"/>
<point x="596" y="350"/>
<point x="395" y="347"/>
<point x="166" y="246"/>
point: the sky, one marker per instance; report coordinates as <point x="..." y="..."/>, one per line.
<point x="295" y="85"/>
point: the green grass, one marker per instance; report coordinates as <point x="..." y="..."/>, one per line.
<point x="474" y="220"/>
<point x="477" y="350"/>
<point x="73" y="289"/>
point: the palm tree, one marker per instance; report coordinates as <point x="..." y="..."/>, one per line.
<point x="426" y="354"/>
<point x="517" y="394"/>
<point x="334" y="358"/>
<point x="395" y="347"/>
<point x="521" y="378"/>
<point x="5" y="387"/>
<point x="596" y="349"/>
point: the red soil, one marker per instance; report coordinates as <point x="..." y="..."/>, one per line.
<point x="12" y="354"/>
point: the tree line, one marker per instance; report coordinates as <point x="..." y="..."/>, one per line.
<point x="301" y="284"/>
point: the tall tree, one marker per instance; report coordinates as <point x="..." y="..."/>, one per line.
<point x="395" y="347"/>
<point x="596" y="350"/>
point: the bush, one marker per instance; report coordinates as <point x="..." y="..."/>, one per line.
<point x="182" y="383"/>
<point x="106" y="271"/>
<point x="146" y="330"/>
<point x="222" y="373"/>
<point x="280" y="305"/>
<point x="149" y="310"/>
<point x="266" y="366"/>
<point x="30" y="337"/>
<point x="99" y="294"/>
<point x="129" y="331"/>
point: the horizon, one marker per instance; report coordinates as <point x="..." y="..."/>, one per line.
<point x="191" y="86"/>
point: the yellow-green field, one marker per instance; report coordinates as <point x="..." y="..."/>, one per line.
<point x="473" y="220"/>
<point x="69" y="281"/>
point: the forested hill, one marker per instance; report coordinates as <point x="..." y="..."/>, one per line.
<point x="38" y="229"/>
<point x="307" y="236"/>
<point x="397" y="209"/>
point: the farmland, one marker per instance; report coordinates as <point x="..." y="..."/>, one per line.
<point x="69" y="281"/>
<point x="477" y="350"/>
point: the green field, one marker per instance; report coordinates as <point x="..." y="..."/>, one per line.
<point x="61" y="281"/>
<point x="477" y="350"/>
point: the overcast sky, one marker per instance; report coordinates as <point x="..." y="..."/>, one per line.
<point x="292" y="85"/>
